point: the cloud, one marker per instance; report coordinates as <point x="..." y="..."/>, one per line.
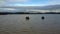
<point x="2" y="2"/>
<point x="50" y="2"/>
<point x="10" y="2"/>
<point x="6" y="2"/>
<point x="17" y="0"/>
<point x="53" y="2"/>
<point x="26" y="5"/>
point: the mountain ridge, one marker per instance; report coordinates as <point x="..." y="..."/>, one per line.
<point x="49" y="7"/>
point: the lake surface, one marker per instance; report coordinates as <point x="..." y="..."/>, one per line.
<point x="17" y="24"/>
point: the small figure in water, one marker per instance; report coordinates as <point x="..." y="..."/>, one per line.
<point x="27" y="18"/>
<point x="42" y="17"/>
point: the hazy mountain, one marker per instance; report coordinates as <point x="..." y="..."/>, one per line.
<point x="49" y="7"/>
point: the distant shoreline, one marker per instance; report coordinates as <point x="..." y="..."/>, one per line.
<point x="6" y="13"/>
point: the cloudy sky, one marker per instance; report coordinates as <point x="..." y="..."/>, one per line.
<point x="28" y="2"/>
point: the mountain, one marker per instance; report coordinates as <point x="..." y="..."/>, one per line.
<point x="49" y="7"/>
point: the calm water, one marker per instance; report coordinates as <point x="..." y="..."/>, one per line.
<point x="17" y="24"/>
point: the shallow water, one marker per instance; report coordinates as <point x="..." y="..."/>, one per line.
<point x="17" y="24"/>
